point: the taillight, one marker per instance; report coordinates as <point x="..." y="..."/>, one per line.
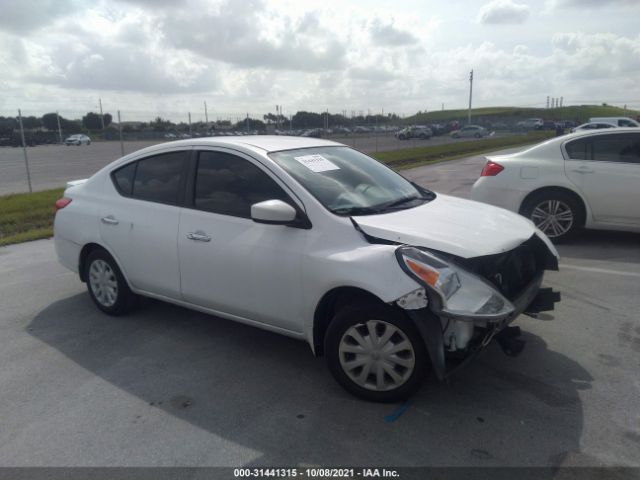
<point x="491" y="169"/>
<point x="61" y="203"/>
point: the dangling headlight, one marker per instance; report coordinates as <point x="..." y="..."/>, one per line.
<point x="461" y="293"/>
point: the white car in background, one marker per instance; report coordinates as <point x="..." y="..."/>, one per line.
<point x="310" y="239"/>
<point x="470" y="131"/>
<point x="588" y="179"/>
<point x="593" y="126"/>
<point x="78" y="139"/>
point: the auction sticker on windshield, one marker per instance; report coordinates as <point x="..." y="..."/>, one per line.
<point x="317" y="163"/>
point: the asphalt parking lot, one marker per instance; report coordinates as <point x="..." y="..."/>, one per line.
<point x="167" y="386"/>
<point x="51" y="166"/>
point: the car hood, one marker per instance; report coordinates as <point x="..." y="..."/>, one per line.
<point x="453" y="225"/>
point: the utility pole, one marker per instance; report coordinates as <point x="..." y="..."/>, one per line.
<point x="190" y="124"/>
<point x="206" y="114"/>
<point x="59" y="129"/>
<point x="24" y="150"/>
<point x="547" y="101"/>
<point x="561" y="99"/>
<point x="101" y="115"/>
<point x="470" y="96"/>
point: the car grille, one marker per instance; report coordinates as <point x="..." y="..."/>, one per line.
<point x="511" y="272"/>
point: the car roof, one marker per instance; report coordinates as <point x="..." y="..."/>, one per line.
<point x="267" y="143"/>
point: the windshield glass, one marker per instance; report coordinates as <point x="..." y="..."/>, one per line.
<point x="348" y="182"/>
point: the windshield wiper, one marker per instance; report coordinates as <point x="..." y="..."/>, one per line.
<point x="356" y="210"/>
<point x="399" y="202"/>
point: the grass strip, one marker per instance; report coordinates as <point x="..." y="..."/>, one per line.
<point x="27" y="216"/>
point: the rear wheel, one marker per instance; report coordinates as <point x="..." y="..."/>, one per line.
<point x="106" y="284"/>
<point x="375" y="352"/>
<point x="558" y="214"/>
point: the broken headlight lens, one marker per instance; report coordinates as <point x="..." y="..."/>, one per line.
<point x="461" y="292"/>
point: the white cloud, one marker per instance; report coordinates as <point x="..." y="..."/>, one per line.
<point x="594" y="3"/>
<point x="503" y="12"/>
<point x="244" y="34"/>
<point x="387" y="34"/>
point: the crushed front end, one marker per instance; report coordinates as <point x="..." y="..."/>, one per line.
<point x="465" y="303"/>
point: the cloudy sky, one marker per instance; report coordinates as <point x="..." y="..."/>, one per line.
<point x="167" y="57"/>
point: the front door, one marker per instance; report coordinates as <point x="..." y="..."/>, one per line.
<point x="230" y="263"/>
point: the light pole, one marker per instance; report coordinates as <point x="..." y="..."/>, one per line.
<point x="470" y="96"/>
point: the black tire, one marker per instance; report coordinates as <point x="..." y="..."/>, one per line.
<point x="538" y="200"/>
<point x="477" y="135"/>
<point x="125" y="299"/>
<point x="423" y="136"/>
<point x="358" y="314"/>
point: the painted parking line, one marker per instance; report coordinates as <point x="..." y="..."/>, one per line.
<point x="600" y="270"/>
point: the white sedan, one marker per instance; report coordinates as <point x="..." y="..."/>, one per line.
<point x="593" y="126"/>
<point x="77" y="139"/>
<point x="587" y="179"/>
<point x="310" y="239"/>
<point x="469" y="131"/>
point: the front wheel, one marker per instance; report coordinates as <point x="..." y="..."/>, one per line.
<point x="557" y="214"/>
<point x="106" y="284"/>
<point x="375" y="352"/>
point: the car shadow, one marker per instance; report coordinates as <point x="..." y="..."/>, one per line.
<point x="268" y="393"/>
<point x="602" y="245"/>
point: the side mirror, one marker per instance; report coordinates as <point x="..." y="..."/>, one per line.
<point x="273" y="212"/>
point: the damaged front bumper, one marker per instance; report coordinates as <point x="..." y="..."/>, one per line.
<point x="429" y="322"/>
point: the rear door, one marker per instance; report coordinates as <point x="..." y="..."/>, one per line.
<point x="230" y="263"/>
<point x="606" y="168"/>
<point x="139" y="220"/>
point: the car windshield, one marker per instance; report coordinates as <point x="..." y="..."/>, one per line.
<point x="348" y="182"/>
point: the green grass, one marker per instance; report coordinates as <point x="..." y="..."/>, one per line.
<point x="414" y="157"/>
<point x="580" y="113"/>
<point x="27" y="216"/>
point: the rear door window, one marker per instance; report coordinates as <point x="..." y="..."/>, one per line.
<point x="159" y="178"/>
<point x="123" y="178"/>
<point x="579" y="149"/>
<point x="617" y="148"/>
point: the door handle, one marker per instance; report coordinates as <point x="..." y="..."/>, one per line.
<point x="199" y="236"/>
<point x="583" y="171"/>
<point x="109" y="220"/>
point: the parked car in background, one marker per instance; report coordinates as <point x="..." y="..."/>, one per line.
<point x="416" y="131"/>
<point x="77" y="139"/>
<point x="531" y="124"/>
<point x="438" y="129"/>
<point x="593" y="126"/>
<point x="617" y="121"/>
<point x="470" y="131"/>
<point x="310" y="239"/>
<point x="587" y="179"/>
